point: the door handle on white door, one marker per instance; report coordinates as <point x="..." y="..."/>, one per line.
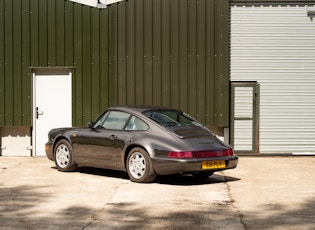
<point x="38" y="112"/>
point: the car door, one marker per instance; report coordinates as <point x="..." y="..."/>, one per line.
<point x="102" y="144"/>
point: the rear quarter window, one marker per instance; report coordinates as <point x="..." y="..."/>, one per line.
<point x="136" y="124"/>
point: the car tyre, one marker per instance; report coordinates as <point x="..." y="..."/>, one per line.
<point x="202" y="175"/>
<point x="64" y="156"/>
<point x="139" y="166"/>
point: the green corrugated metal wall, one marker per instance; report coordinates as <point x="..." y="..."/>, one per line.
<point x="55" y="33"/>
<point x="164" y="52"/>
<point x="175" y="53"/>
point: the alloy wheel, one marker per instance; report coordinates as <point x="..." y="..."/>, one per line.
<point x="62" y="155"/>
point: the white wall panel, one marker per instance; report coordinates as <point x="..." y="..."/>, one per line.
<point x="275" y="46"/>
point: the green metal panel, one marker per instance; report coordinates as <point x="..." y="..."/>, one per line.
<point x="56" y="33"/>
<point x="104" y="58"/>
<point x="34" y="9"/>
<point x="112" y="52"/>
<point x="42" y="33"/>
<point x="68" y="51"/>
<point x="210" y="62"/>
<point x="139" y="44"/>
<point x="26" y="62"/>
<point x="175" y="53"/>
<point x="51" y="33"/>
<point x="121" y="53"/>
<point x="60" y="33"/>
<point x="17" y="73"/>
<point x="201" y="61"/>
<point x="95" y="65"/>
<point x="130" y="54"/>
<point x="2" y="71"/>
<point x="86" y="63"/>
<point x="77" y="52"/>
<point x="183" y="54"/>
<point x="165" y="52"/>
<point x="156" y="54"/>
<point x="8" y="64"/>
<point x="94" y="61"/>
<point x="192" y="59"/>
<point x="222" y="63"/>
<point x="148" y="52"/>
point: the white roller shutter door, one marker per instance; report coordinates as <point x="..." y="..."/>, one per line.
<point x="275" y="46"/>
<point x="243" y="128"/>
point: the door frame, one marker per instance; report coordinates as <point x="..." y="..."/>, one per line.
<point x="255" y="114"/>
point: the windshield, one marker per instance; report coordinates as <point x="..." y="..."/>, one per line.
<point x="168" y="118"/>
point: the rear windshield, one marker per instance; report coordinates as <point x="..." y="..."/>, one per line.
<point x="168" y="118"/>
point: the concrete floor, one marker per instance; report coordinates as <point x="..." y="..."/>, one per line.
<point x="261" y="193"/>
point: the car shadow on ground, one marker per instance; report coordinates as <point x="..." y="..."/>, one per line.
<point x="187" y="179"/>
<point x="103" y="172"/>
<point x="178" y="179"/>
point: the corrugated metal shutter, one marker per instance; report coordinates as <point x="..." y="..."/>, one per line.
<point x="275" y="46"/>
<point x="243" y="128"/>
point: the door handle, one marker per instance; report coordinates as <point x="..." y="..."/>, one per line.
<point x="113" y="137"/>
<point x="38" y="112"/>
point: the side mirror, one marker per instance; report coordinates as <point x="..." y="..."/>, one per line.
<point x="90" y="125"/>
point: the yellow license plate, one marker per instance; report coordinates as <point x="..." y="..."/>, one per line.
<point x="213" y="164"/>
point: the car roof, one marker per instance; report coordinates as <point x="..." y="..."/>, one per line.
<point x="138" y="108"/>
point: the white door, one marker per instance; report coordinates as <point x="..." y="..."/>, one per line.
<point x="52" y="106"/>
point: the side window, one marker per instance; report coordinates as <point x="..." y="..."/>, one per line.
<point x="136" y="124"/>
<point x="99" y="123"/>
<point x="116" y="120"/>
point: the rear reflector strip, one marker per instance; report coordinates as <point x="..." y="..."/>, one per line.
<point x="201" y="154"/>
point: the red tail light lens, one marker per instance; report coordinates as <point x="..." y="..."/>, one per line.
<point x="180" y="155"/>
<point x="201" y="154"/>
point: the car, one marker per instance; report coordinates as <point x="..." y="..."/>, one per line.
<point x="144" y="141"/>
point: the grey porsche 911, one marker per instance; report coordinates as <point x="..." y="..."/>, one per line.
<point x="144" y="141"/>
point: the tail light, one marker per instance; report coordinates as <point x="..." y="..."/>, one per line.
<point x="201" y="154"/>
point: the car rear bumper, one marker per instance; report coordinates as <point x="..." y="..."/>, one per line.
<point x="167" y="166"/>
